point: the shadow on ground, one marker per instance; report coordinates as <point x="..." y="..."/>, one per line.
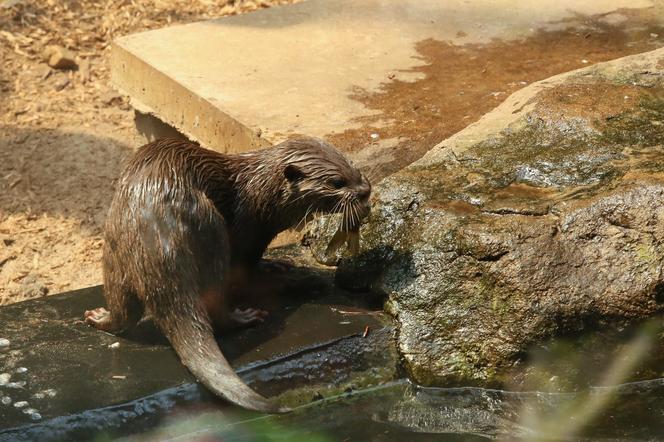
<point x="58" y="172"/>
<point x="55" y="188"/>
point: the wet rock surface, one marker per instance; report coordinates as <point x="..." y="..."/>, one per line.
<point x="542" y="219"/>
<point x="60" y="379"/>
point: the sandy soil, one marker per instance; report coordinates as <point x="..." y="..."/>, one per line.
<point x="64" y="134"/>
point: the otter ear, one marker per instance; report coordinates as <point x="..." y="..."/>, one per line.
<point x="293" y="173"/>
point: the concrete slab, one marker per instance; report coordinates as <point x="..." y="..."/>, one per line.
<point x="241" y="82"/>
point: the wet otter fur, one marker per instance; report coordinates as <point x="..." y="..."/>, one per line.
<point x="185" y="220"/>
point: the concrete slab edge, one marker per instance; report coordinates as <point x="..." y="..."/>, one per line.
<point x="210" y="126"/>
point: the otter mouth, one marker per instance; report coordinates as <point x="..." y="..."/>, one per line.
<point x="352" y="214"/>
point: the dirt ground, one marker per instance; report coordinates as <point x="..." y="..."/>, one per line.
<point x="64" y="134"/>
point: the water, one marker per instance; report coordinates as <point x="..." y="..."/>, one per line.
<point x="401" y="411"/>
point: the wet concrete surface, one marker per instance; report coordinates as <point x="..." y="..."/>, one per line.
<point x="59" y="377"/>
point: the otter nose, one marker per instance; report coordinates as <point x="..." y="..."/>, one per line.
<point x="363" y="192"/>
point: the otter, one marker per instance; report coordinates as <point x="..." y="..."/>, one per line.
<point x="185" y="221"/>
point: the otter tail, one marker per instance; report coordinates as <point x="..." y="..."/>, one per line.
<point x="194" y="342"/>
<point x="185" y="249"/>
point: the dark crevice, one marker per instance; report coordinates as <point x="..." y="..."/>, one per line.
<point x="658" y="293"/>
<point x="522" y="212"/>
<point x="492" y="258"/>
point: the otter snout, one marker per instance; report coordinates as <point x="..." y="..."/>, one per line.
<point x="363" y="193"/>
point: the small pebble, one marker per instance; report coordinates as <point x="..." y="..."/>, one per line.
<point x="20" y="370"/>
<point x="38" y="396"/>
<point x="30" y="411"/>
<point x="374" y="136"/>
<point x="4" y="342"/>
<point x="5" y="400"/>
<point x="59" y="85"/>
<point x="59" y="58"/>
<point x="114" y="345"/>
<point x="4" y="378"/>
<point x="50" y="392"/>
<point x="35" y="416"/>
<point x="20" y="404"/>
<point x="20" y="384"/>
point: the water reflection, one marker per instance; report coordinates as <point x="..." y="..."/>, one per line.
<point x="404" y="412"/>
<point x="634" y="411"/>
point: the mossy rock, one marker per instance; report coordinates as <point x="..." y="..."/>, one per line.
<point x="542" y="219"/>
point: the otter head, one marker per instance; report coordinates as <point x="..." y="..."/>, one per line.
<point x="319" y="179"/>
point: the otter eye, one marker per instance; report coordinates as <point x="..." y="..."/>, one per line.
<point x="338" y="182"/>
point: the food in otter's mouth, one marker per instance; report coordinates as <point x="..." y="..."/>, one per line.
<point x="349" y="230"/>
<point x="348" y="235"/>
<point x="351" y="238"/>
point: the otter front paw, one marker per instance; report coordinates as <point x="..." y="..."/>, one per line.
<point x="99" y="318"/>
